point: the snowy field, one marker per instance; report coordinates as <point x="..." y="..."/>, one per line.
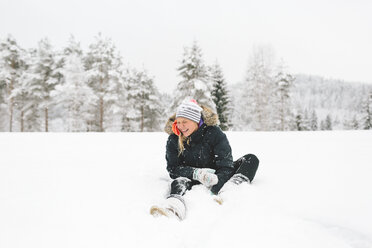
<point x="312" y="189"/>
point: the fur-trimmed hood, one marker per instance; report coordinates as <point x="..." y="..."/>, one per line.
<point x="209" y="117"/>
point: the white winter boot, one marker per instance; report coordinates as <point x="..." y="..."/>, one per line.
<point x="174" y="206"/>
<point x="235" y="180"/>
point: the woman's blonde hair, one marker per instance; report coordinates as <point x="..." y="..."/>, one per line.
<point x="181" y="140"/>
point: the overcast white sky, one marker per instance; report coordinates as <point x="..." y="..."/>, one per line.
<point x="332" y="38"/>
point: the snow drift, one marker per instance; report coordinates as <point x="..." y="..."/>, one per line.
<point x="312" y="189"/>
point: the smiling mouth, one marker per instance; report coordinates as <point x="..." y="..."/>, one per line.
<point x="185" y="131"/>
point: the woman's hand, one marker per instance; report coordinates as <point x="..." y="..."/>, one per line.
<point x="206" y="176"/>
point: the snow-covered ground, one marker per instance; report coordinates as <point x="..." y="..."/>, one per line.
<point x="312" y="189"/>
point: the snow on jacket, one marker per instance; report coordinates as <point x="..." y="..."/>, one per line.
<point x="208" y="148"/>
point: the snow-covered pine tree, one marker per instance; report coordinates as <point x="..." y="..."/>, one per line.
<point x="282" y="104"/>
<point x="306" y="121"/>
<point x="103" y="64"/>
<point x="302" y="120"/>
<point x="166" y="102"/>
<point x="313" y="121"/>
<point x="54" y="109"/>
<point x="326" y="124"/>
<point x="259" y="85"/>
<point x="73" y="47"/>
<point x="27" y="101"/>
<point x="74" y="97"/>
<point x="299" y="121"/>
<point x="23" y="96"/>
<point x="11" y="69"/>
<point x="220" y="96"/>
<point x="45" y="78"/>
<point x="144" y="107"/>
<point x="239" y="116"/>
<point x="195" y="81"/>
<point x="355" y="123"/>
<point x="2" y="104"/>
<point x="367" y="112"/>
<point x="351" y="123"/>
<point x="322" y="125"/>
<point x="130" y="115"/>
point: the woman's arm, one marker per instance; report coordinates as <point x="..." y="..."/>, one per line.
<point x="174" y="166"/>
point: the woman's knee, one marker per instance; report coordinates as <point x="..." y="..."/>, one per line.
<point x="248" y="165"/>
<point x="251" y="157"/>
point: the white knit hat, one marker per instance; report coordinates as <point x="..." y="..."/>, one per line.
<point x="189" y="109"/>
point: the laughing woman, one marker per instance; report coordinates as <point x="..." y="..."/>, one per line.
<point x="198" y="152"/>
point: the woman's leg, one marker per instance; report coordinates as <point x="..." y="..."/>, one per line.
<point x="246" y="167"/>
<point x="174" y="205"/>
<point x="245" y="170"/>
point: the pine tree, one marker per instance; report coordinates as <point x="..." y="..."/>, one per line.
<point x="282" y="105"/>
<point x="314" y="121"/>
<point x="327" y="124"/>
<point x="11" y="69"/>
<point x="302" y="121"/>
<point x="258" y="92"/>
<point x="73" y="47"/>
<point x="2" y="104"/>
<point x="31" y="107"/>
<point x="299" y="121"/>
<point x="220" y="96"/>
<point x="145" y="110"/>
<point x="306" y="121"/>
<point x="323" y="125"/>
<point x="45" y="74"/>
<point x="103" y="65"/>
<point x="354" y="123"/>
<point x="195" y="81"/>
<point x="23" y="96"/>
<point x="367" y="112"/>
<point x="74" y="97"/>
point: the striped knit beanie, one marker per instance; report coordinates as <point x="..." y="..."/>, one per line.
<point x="189" y="109"/>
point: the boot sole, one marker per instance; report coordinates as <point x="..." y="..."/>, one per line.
<point x="158" y="211"/>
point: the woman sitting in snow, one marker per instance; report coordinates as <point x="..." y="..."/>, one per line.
<point x="199" y="152"/>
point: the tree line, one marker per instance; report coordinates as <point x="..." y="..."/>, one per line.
<point x="43" y="89"/>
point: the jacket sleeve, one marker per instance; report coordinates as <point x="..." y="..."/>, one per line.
<point x="174" y="165"/>
<point x="223" y="159"/>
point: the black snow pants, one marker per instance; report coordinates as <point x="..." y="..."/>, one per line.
<point x="246" y="166"/>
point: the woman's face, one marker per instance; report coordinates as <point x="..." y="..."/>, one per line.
<point x="186" y="126"/>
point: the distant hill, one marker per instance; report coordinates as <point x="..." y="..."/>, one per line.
<point x="341" y="100"/>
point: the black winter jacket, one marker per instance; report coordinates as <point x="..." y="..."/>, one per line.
<point x="208" y="148"/>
